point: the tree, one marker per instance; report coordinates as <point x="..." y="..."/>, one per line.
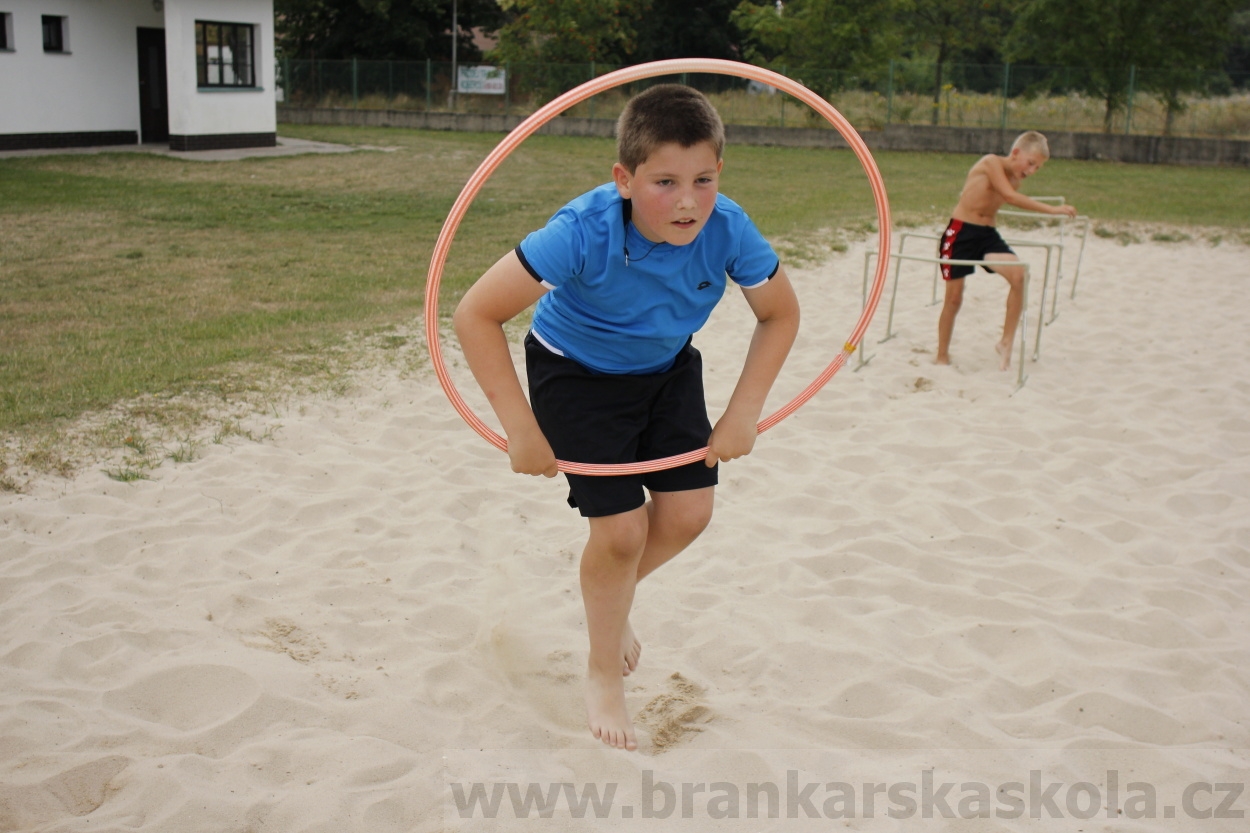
<point x="1109" y="37"/>
<point x="617" y="31"/>
<point x="686" y="29"/>
<point x="1238" y="63"/>
<point x="949" y="29"/>
<point x="838" y="35"/>
<point x="379" y="29"/>
<point x="1191" y="52"/>
<point x="569" y="31"/>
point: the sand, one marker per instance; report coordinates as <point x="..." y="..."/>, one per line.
<point x="925" y="590"/>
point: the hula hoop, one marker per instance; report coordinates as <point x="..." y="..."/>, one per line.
<point x="554" y="108"/>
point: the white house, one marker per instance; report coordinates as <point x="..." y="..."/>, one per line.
<point x="198" y="74"/>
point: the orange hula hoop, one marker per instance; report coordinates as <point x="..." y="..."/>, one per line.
<point x="554" y="108"/>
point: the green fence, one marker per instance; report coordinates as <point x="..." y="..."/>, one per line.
<point x="1014" y="97"/>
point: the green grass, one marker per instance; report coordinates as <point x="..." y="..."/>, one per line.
<point x="133" y="277"/>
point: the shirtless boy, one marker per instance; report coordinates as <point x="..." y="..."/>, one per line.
<point x="971" y="234"/>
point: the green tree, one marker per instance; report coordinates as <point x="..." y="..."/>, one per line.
<point x="818" y="35"/>
<point x="686" y="29"/>
<point x="1108" y="38"/>
<point x="947" y="30"/>
<point x="1192" y="52"/>
<point x="379" y="29"/>
<point x="765" y="31"/>
<point x="1238" y="62"/>
<point x="569" y="31"/>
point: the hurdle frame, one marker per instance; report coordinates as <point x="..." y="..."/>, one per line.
<point x="1083" y="222"/>
<point x="1036" y="244"/>
<point x="864" y="359"/>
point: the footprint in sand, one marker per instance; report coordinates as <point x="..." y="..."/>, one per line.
<point x="74" y="792"/>
<point x="550" y="682"/>
<point x="286" y="637"/>
<point x="674" y="716"/>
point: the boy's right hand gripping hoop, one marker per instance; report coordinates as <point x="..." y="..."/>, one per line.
<point x="606" y="82"/>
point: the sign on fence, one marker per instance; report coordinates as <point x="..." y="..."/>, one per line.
<point x="483" y="80"/>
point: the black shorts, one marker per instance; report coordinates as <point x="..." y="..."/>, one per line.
<point x="590" y="417"/>
<point x="968" y="241"/>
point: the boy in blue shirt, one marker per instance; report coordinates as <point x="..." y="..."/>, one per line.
<point x="622" y="277"/>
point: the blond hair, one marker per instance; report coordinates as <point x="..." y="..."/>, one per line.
<point x="1032" y="141"/>
<point x="666" y="114"/>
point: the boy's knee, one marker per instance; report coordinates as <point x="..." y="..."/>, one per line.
<point x="689" y="524"/>
<point x="620" y="536"/>
<point x="695" y="519"/>
<point x="954" y="296"/>
<point x="684" y="515"/>
<point x="1014" y="275"/>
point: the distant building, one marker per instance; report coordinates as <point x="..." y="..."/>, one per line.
<point x="196" y="74"/>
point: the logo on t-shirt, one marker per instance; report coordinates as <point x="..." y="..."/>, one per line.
<point x="704" y="285"/>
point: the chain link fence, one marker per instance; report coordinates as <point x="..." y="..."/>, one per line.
<point x="1132" y="100"/>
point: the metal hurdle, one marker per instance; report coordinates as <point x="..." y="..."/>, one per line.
<point x="1041" y="310"/>
<point x="1021" y="376"/>
<point x="1083" y="223"/>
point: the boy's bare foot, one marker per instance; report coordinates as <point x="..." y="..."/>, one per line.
<point x="631" y="650"/>
<point x="942" y="360"/>
<point x="1004" y="355"/>
<point x="605" y="710"/>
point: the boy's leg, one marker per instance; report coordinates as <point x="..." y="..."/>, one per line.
<point x="621" y="550"/>
<point x="946" y="321"/>
<point x="1014" y="276"/>
<point x="609" y="572"/>
<point x="675" y="519"/>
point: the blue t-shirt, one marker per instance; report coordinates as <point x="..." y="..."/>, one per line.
<point x="614" y="317"/>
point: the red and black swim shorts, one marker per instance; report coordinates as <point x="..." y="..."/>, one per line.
<point x="968" y="241"/>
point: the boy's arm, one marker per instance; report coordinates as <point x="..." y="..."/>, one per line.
<point x="1000" y="183"/>
<point x="776" y="311"/>
<point x="503" y="292"/>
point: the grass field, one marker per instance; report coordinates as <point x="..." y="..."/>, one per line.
<point x="132" y="278"/>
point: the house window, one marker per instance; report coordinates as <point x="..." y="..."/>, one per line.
<point x="55" y="33"/>
<point x="224" y="54"/>
<point x="6" y="31"/>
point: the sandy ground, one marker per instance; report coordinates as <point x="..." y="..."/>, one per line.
<point x="928" y="600"/>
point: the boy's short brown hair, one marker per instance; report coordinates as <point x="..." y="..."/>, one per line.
<point x="664" y="114"/>
<point x="1030" y="141"/>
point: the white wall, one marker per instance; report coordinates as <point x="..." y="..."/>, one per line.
<point x="94" y="87"/>
<point x="195" y="112"/>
